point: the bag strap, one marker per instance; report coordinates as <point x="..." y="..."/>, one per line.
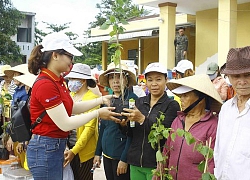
<point x="40" y="118"/>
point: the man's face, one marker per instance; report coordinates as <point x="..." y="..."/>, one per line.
<point x="181" y="32"/>
<point x="240" y="83"/>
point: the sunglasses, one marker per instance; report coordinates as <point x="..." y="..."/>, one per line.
<point x="69" y="55"/>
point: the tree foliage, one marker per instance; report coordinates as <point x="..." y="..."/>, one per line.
<point x="106" y="9"/>
<point x="10" y="18"/>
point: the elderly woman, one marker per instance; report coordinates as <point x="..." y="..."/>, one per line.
<point x="112" y="142"/>
<point x="141" y="156"/>
<point x="198" y="102"/>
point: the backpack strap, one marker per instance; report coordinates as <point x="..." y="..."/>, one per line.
<point x="40" y="118"/>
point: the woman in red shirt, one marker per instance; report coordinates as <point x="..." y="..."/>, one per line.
<point x="45" y="151"/>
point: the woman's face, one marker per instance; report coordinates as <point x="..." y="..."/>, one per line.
<point x="63" y="61"/>
<point x="187" y="99"/>
<point x="7" y="79"/>
<point x="156" y="83"/>
<point x="114" y="82"/>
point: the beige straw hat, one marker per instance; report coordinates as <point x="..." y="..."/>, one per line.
<point x="200" y="83"/>
<point x="103" y="78"/>
<point x="21" y="68"/>
<point x="4" y="67"/>
<point x="26" y="79"/>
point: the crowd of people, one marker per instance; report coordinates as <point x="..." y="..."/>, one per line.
<point x="89" y="119"/>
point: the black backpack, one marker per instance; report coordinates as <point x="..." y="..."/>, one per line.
<point x="20" y="128"/>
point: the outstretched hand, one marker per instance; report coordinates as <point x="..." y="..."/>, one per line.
<point x="106" y="99"/>
<point x="108" y="114"/>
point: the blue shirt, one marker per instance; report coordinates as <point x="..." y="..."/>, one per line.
<point x="19" y="94"/>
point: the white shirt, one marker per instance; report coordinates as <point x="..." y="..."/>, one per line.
<point x="232" y="145"/>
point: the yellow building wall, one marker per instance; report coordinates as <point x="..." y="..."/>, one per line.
<point x="243" y="17"/>
<point x="207" y="32"/>
<point x="206" y="35"/>
<point x="149" y="49"/>
<point x="128" y="45"/>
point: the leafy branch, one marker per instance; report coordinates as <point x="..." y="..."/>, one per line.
<point x="159" y="132"/>
<point x="117" y="19"/>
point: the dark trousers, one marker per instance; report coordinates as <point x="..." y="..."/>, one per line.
<point x="110" y="167"/>
<point x="82" y="170"/>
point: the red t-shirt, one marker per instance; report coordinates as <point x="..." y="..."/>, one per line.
<point x="45" y="95"/>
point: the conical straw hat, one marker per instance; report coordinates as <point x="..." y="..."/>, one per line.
<point x="26" y="79"/>
<point x="103" y="78"/>
<point x="200" y="83"/>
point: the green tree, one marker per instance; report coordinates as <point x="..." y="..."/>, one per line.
<point x="10" y="18"/>
<point x="106" y="9"/>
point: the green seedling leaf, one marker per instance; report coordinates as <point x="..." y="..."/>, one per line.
<point x="201" y="166"/>
<point x="104" y="26"/>
<point x="180" y="132"/>
<point x="189" y="138"/>
<point x="165" y="133"/>
<point x="124" y="22"/>
<point x="112" y="33"/>
<point x="112" y="19"/>
<point x="205" y="176"/>
<point x="159" y="157"/>
<point x="173" y="136"/>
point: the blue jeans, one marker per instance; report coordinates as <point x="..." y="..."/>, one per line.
<point x="45" y="157"/>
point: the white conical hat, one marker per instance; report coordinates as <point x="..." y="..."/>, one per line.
<point x="200" y="83"/>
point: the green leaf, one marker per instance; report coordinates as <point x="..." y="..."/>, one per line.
<point x="165" y="133"/>
<point x="201" y="166"/>
<point x="124" y="22"/>
<point x="104" y="26"/>
<point x="189" y="138"/>
<point x="180" y="132"/>
<point x="112" y="33"/>
<point x="173" y="136"/>
<point x="205" y="176"/>
<point x="8" y="96"/>
<point x="119" y="2"/>
<point x="204" y="151"/>
<point x="159" y="156"/>
<point x="112" y="19"/>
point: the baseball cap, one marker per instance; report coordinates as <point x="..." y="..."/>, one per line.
<point x="59" y="40"/>
<point x="183" y="65"/>
<point x="156" y="67"/>
<point x="212" y="68"/>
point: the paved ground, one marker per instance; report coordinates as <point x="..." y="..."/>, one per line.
<point x="99" y="173"/>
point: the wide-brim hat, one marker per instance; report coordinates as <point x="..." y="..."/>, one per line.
<point x="21" y="68"/>
<point x="26" y="79"/>
<point x="80" y="71"/>
<point x="103" y="78"/>
<point x="238" y="61"/>
<point x="200" y="83"/>
<point x="4" y="67"/>
<point x="59" y="40"/>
